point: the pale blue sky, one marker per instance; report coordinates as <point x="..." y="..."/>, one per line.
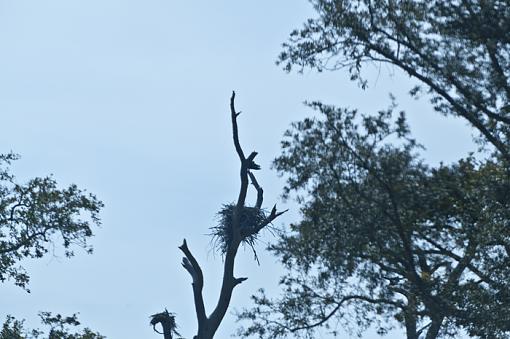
<point x="129" y="99"/>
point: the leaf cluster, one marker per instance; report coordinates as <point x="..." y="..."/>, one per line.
<point x="384" y="239"/>
<point x="60" y="327"/>
<point x="458" y="51"/>
<point x="34" y="215"/>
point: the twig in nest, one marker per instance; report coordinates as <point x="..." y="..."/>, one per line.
<point x="167" y="320"/>
<point x="250" y="220"/>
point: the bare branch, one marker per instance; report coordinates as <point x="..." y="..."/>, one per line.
<point x="188" y="267"/>
<point x="191" y="265"/>
<point x="334" y="311"/>
<point x="237" y="281"/>
<point x="235" y="132"/>
<point x="246" y="163"/>
<point x="272" y="216"/>
<point x="260" y="191"/>
<point x="250" y="163"/>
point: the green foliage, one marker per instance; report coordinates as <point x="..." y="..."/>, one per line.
<point x="386" y="240"/>
<point x="59" y="328"/>
<point x="459" y="51"/>
<point x="33" y="216"/>
<point x="13" y="329"/>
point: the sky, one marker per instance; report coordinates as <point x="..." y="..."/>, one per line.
<point x="129" y="100"/>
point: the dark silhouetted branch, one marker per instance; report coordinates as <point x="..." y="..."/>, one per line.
<point x="235" y="133"/>
<point x="191" y="265"/>
<point x="272" y="216"/>
<point x="237" y="281"/>
<point x="260" y="191"/>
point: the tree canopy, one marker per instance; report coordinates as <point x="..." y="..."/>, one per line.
<point x="459" y="51"/>
<point x="59" y="327"/>
<point x="35" y="215"/>
<point x="385" y="239"/>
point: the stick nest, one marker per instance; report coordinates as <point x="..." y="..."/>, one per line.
<point x="167" y="320"/>
<point x="250" y="219"/>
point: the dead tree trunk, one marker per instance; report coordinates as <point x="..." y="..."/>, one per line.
<point x="236" y="231"/>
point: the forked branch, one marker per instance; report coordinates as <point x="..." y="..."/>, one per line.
<point x="191" y="265"/>
<point x="272" y="216"/>
<point x="234" y="232"/>
<point x="260" y="191"/>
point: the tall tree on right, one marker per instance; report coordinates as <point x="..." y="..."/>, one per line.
<point x="385" y="239"/>
<point x="458" y="50"/>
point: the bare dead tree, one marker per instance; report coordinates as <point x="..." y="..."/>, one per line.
<point x="239" y="223"/>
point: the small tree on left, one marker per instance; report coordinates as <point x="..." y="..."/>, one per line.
<point x="36" y="215"/>
<point x="59" y="328"/>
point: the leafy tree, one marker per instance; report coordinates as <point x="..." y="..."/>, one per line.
<point x="386" y="240"/>
<point x="238" y="224"/>
<point x="34" y="215"/>
<point x="59" y="328"/>
<point x="458" y="50"/>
